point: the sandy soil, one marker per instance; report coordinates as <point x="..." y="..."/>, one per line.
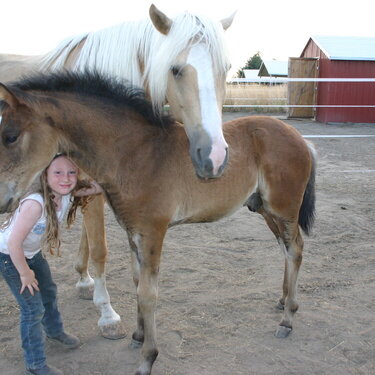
<point x="219" y="284"/>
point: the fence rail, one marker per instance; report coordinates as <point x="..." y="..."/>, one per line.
<point x="282" y="80"/>
<point x="286" y="80"/>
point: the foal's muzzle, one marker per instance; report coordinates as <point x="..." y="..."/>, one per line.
<point x="7" y="198"/>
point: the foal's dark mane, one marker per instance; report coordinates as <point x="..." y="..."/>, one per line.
<point x="92" y="84"/>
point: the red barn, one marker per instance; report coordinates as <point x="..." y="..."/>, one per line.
<point x="343" y="57"/>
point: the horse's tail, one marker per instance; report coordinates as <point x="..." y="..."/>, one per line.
<point x="307" y="211"/>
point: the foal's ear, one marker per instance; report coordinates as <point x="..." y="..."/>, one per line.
<point x="7" y="96"/>
<point x="226" y="22"/>
<point x="161" y="22"/>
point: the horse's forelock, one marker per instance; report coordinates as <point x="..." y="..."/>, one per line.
<point x="187" y="30"/>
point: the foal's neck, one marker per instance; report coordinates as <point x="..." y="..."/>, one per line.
<point x="100" y="136"/>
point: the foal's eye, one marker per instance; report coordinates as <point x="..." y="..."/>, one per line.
<point x="10" y="138"/>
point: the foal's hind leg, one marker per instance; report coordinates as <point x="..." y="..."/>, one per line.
<point x="292" y="245"/>
<point x="290" y="240"/>
<point x="110" y="322"/>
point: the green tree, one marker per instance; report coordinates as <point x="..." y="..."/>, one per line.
<point x="253" y="63"/>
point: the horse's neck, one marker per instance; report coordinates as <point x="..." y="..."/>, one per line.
<point x="101" y="142"/>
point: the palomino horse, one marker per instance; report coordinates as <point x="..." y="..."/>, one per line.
<point x="182" y="60"/>
<point x="142" y="163"/>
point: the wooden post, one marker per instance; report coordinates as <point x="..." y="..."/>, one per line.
<point x="302" y="93"/>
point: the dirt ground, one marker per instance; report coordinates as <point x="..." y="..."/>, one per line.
<point x="219" y="284"/>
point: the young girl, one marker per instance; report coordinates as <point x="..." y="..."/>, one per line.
<point x="22" y="264"/>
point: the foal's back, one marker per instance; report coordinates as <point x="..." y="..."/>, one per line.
<point x="264" y="155"/>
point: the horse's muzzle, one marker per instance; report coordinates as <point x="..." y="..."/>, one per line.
<point x="206" y="167"/>
<point x="8" y="200"/>
<point x="6" y="206"/>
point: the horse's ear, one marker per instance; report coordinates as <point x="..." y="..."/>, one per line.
<point x="226" y="22"/>
<point x="161" y="22"/>
<point x="7" y="96"/>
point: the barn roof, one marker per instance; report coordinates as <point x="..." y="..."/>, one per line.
<point x="251" y="73"/>
<point x="346" y="47"/>
<point x="273" y="68"/>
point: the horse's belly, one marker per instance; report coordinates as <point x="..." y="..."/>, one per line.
<point x="208" y="210"/>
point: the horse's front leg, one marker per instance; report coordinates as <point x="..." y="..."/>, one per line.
<point x="110" y="322"/>
<point x="138" y="335"/>
<point x="146" y="249"/>
<point x="85" y="284"/>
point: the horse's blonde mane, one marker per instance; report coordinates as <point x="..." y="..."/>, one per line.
<point x="137" y="52"/>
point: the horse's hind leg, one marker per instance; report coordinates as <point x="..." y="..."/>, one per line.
<point x="290" y="240"/>
<point x="110" y="322"/>
<point x="292" y="246"/>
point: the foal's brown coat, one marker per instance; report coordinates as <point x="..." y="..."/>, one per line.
<point x="150" y="183"/>
<point x="135" y="53"/>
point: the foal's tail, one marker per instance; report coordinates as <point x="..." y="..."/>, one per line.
<point x="307" y="211"/>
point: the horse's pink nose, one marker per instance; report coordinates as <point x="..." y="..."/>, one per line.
<point x="218" y="156"/>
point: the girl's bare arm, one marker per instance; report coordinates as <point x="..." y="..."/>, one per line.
<point x="30" y="212"/>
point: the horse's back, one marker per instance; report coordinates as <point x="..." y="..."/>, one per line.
<point x="12" y="67"/>
<point x="270" y="139"/>
<point x="282" y="156"/>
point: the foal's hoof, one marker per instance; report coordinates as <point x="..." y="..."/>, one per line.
<point x="280" y="305"/>
<point x="282" y="332"/>
<point x="114" y="331"/>
<point x="85" y="292"/>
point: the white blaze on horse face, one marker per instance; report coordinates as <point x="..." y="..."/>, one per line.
<point x="200" y="59"/>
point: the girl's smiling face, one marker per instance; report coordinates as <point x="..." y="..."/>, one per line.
<point x="62" y="176"/>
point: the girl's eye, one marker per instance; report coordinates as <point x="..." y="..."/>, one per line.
<point x="73" y="172"/>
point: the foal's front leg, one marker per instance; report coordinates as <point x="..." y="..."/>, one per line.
<point x="146" y="251"/>
<point x="138" y="335"/>
<point x="95" y="242"/>
<point x="85" y="284"/>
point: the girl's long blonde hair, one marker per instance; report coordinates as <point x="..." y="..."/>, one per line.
<point x="51" y="239"/>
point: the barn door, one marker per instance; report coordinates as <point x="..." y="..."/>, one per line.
<point x="302" y="93"/>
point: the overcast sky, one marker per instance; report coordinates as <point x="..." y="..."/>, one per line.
<point x="277" y="29"/>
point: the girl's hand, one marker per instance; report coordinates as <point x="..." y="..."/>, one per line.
<point x="92" y="190"/>
<point x="29" y="281"/>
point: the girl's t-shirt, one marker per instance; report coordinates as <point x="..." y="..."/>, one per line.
<point x="33" y="241"/>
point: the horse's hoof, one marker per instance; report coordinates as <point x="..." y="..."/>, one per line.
<point x="85" y="292"/>
<point x="114" y="331"/>
<point x="282" y="332"/>
<point x="135" y="344"/>
<point x="280" y="305"/>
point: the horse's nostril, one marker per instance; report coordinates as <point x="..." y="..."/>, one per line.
<point x="199" y="153"/>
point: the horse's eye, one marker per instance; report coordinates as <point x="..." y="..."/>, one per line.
<point x="10" y="138"/>
<point x="176" y="71"/>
